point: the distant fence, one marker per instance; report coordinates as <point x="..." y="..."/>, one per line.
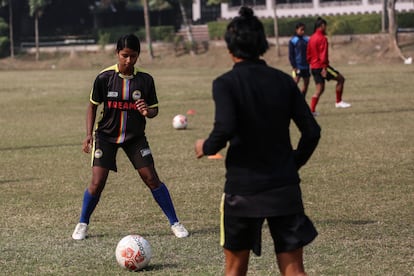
<point x="405" y="30"/>
<point x="58" y="42"/>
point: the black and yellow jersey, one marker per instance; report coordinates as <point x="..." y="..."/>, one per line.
<point x="120" y="120"/>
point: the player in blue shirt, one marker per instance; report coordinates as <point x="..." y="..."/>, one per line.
<point x="297" y="57"/>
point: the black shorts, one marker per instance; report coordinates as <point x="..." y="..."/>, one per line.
<point x="331" y="73"/>
<point x="138" y="152"/>
<point x="288" y="232"/>
<point x="302" y="73"/>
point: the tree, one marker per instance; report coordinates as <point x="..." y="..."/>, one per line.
<point x="384" y="15"/>
<point x="187" y="25"/>
<point x="276" y="27"/>
<point x="11" y="38"/>
<point x="186" y="22"/>
<point x="392" y="29"/>
<point x="148" y="29"/>
<point x="36" y="10"/>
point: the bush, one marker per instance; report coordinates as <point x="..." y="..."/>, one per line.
<point x="337" y="25"/>
<point x="111" y="35"/>
<point x="4" y="40"/>
<point x="104" y="38"/>
<point x="4" y="46"/>
<point x="158" y="33"/>
<point x="217" y="29"/>
<point x="405" y="20"/>
<point x="4" y="27"/>
<point x="354" y="24"/>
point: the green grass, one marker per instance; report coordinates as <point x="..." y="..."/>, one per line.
<point x="358" y="187"/>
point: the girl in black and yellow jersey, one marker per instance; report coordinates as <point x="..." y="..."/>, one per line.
<point x="128" y="97"/>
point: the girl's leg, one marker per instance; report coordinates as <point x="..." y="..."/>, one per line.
<point x="90" y="200"/>
<point x="291" y="263"/>
<point x="162" y="196"/>
<point x="237" y="262"/>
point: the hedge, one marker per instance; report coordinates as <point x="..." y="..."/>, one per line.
<point x="111" y="35"/>
<point x="4" y="39"/>
<point x="340" y="24"/>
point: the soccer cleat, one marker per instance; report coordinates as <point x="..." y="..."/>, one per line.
<point x="342" y="104"/>
<point x="315" y="114"/>
<point x="80" y="231"/>
<point x="179" y="230"/>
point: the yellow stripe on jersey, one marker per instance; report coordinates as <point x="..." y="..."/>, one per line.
<point x="112" y="67"/>
<point x="92" y="101"/>
<point x="222" y="234"/>
<point x="93" y="150"/>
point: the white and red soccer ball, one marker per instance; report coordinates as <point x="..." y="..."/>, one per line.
<point x="133" y="252"/>
<point x="180" y="122"/>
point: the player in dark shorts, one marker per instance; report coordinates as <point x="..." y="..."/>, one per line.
<point x="128" y="97"/>
<point x="297" y="57"/>
<point x="254" y="106"/>
<point x="317" y="56"/>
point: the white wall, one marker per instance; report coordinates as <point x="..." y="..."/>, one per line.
<point x="310" y="9"/>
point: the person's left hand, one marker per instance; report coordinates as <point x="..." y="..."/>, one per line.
<point x="198" y="148"/>
<point x="142" y="107"/>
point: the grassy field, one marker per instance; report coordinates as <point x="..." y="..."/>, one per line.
<point x="358" y="187"/>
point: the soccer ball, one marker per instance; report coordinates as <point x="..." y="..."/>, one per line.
<point x="180" y="122"/>
<point x="133" y="252"/>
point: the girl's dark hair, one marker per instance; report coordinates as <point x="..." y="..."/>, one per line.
<point x="319" y="22"/>
<point x="130" y="41"/>
<point x="245" y="36"/>
<point x="299" y="25"/>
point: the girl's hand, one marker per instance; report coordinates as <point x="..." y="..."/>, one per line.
<point x="142" y="107"/>
<point x="324" y="72"/>
<point x="87" y="144"/>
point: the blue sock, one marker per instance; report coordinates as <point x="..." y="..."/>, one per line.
<point x="163" y="198"/>
<point x="88" y="205"/>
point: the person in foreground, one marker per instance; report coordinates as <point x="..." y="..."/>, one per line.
<point x="317" y="56"/>
<point x="254" y="105"/>
<point x="128" y="97"/>
<point x="297" y="57"/>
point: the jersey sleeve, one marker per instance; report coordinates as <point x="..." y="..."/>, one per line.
<point x="323" y="56"/>
<point x="307" y="125"/>
<point x="224" y="119"/>
<point x="98" y="90"/>
<point x="151" y="99"/>
<point x="292" y="54"/>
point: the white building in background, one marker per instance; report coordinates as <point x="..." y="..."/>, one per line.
<point x="299" y="8"/>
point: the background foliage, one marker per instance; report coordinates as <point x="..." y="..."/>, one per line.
<point x="4" y="39"/>
<point x="357" y="187"/>
<point x="337" y="25"/>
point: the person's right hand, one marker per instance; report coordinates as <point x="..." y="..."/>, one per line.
<point x="324" y="72"/>
<point x="87" y="144"/>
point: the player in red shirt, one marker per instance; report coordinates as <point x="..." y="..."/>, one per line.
<point x="317" y="57"/>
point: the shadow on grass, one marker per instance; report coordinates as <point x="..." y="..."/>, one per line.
<point x="205" y="231"/>
<point x="396" y="110"/>
<point x="8" y="181"/>
<point x="39" y="147"/>
<point x="159" y="267"/>
<point x="346" y="222"/>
